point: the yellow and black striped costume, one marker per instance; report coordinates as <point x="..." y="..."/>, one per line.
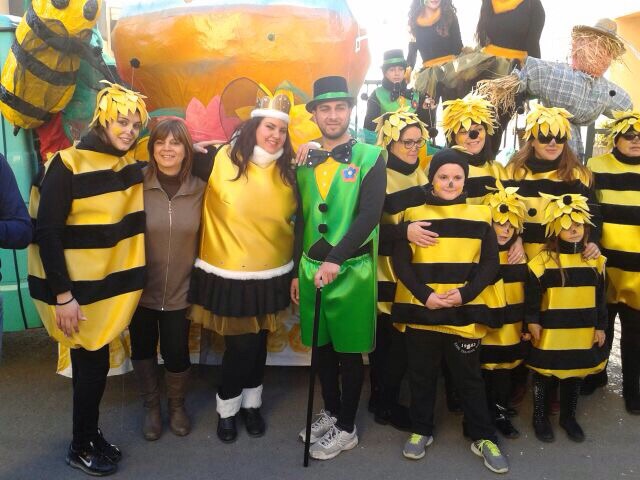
<point x="40" y="72"/>
<point x="568" y="314"/>
<point x="530" y="185"/>
<point x="400" y="177"/>
<point x="103" y="243"/>
<point x="502" y="347"/>
<point x="452" y="263"/>
<point x="617" y="188"/>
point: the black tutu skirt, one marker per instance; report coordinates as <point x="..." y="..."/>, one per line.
<point x="239" y="298"/>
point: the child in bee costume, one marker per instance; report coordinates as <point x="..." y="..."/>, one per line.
<point x="445" y="300"/>
<point x="565" y="313"/>
<point x="502" y="349"/>
<point x="87" y="271"/>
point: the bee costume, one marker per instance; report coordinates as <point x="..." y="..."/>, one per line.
<point x="564" y="294"/>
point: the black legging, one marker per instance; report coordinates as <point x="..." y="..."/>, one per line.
<point x="629" y="346"/>
<point x="89" y="370"/>
<point x="171" y="328"/>
<point x="331" y="365"/>
<point x="243" y="363"/>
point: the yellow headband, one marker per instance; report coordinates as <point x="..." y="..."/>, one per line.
<point x="506" y="205"/>
<point x="547" y="120"/>
<point x="115" y="100"/>
<point x="464" y="112"/>
<point x="390" y="125"/>
<point x="563" y="210"/>
<point x="622" y="121"/>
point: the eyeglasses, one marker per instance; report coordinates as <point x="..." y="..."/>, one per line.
<point x="630" y="136"/>
<point x="409" y="144"/>
<point x="544" y="139"/>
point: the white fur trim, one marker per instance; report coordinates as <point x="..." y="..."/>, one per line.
<point x="228" y="408"/>
<point x="262" y="158"/>
<point x="252" y="397"/>
<point x="270" y="113"/>
<point x="236" y="275"/>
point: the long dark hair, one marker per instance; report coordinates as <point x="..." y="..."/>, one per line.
<point x="179" y="131"/>
<point x="568" y="163"/>
<point x="486" y="12"/>
<point x="447" y="16"/>
<point x="244" y="139"/>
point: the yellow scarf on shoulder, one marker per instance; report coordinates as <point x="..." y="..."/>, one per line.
<point x="428" y="18"/>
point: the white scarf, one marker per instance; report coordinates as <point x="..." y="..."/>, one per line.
<point x="262" y="158"/>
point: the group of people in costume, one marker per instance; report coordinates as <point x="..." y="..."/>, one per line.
<point x="450" y="264"/>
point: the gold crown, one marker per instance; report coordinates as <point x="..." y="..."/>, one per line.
<point x="390" y="125"/>
<point x="506" y="205"/>
<point x="115" y="100"/>
<point x="547" y="120"/>
<point x="622" y="121"/>
<point x="464" y="112"/>
<point x="276" y="105"/>
<point x="561" y="211"/>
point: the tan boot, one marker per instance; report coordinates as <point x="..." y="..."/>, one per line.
<point x="147" y="373"/>
<point x="176" y="389"/>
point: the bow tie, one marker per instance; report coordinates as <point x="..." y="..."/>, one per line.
<point x="342" y="154"/>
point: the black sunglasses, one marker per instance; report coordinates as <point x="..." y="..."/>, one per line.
<point x="547" y="139"/>
<point x="630" y="136"/>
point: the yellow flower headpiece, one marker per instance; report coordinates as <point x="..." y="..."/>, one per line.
<point x="548" y="120"/>
<point x="622" y="121"/>
<point x="464" y="112"/>
<point x="116" y="99"/>
<point x="562" y="210"/>
<point x="390" y="125"/>
<point x="506" y="205"/>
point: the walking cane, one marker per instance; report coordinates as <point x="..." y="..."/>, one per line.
<point x="312" y="374"/>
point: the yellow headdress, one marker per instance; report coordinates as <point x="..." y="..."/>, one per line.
<point x="390" y="125"/>
<point x="547" y="120"/>
<point x="273" y="105"/>
<point x="463" y="112"/>
<point x="562" y="210"/>
<point x="622" y="121"/>
<point x="116" y="99"/>
<point x="506" y="205"/>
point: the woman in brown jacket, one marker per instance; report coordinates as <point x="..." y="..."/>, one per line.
<point x="172" y="203"/>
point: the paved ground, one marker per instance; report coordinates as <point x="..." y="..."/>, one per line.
<point x="35" y="420"/>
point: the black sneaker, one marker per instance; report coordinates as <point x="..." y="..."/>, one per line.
<point x="90" y="460"/>
<point x="109" y="450"/>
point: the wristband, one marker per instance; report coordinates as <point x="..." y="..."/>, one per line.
<point x="65" y="303"/>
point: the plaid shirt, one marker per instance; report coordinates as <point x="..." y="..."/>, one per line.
<point x="585" y="97"/>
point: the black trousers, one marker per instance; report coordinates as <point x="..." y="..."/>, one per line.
<point x="171" y="328"/>
<point x="498" y="387"/>
<point x="629" y="346"/>
<point x="341" y="402"/>
<point x="89" y="370"/>
<point x="384" y="352"/>
<point x="426" y="350"/>
<point x="243" y="363"/>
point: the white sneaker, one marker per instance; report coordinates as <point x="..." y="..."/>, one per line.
<point x="333" y="442"/>
<point x="318" y="428"/>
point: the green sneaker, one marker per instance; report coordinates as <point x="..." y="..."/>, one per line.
<point x="415" y="446"/>
<point x="493" y="458"/>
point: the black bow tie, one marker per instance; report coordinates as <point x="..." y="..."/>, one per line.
<point x="342" y="154"/>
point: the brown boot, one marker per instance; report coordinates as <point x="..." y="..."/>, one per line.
<point x="147" y="373"/>
<point x="176" y="389"/>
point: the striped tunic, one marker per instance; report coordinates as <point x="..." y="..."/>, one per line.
<point x="617" y="185"/>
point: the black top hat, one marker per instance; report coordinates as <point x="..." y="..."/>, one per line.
<point x="327" y="89"/>
<point x="392" y="58"/>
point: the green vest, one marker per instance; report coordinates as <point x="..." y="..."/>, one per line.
<point x="331" y="217"/>
<point x="388" y="105"/>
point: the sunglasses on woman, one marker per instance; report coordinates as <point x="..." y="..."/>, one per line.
<point x="544" y="139"/>
<point x="409" y="144"/>
<point x="630" y="136"/>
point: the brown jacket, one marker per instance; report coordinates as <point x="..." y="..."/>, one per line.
<point x="171" y="241"/>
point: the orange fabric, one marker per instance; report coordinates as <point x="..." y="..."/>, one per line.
<point x="438" y="61"/>
<point x="505" y="52"/>
<point x="429" y="19"/>
<point x="502" y="6"/>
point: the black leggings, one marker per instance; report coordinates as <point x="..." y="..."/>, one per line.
<point x="243" y="363"/>
<point x="498" y="386"/>
<point x="331" y="365"/>
<point x="629" y="346"/>
<point x="171" y="328"/>
<point x="89" y="370"/>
